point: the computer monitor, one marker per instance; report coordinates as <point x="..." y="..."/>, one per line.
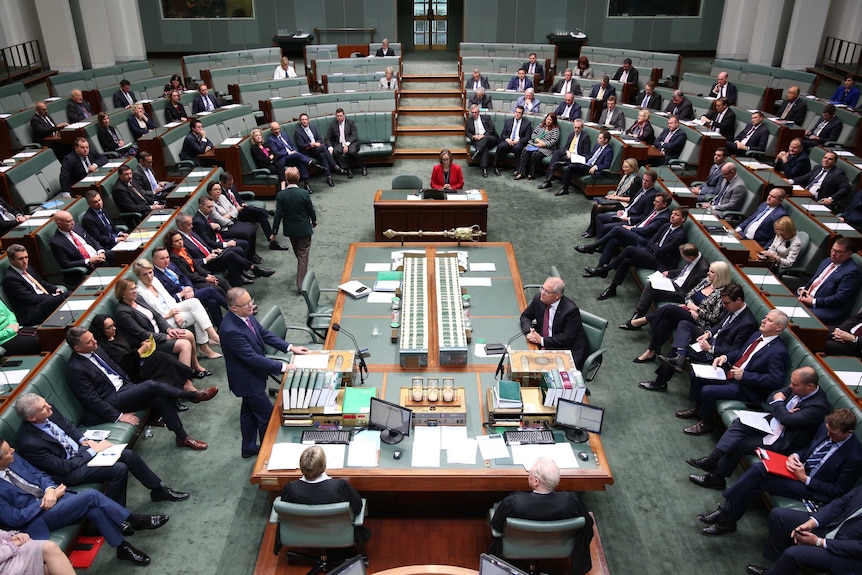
<point x="393" y="420"/>
<point x="490" y="565"/>
<point x="578" y="419"/>
<point x="354" y="566"/>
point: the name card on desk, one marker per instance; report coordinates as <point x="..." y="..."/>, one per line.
<point x="706" y="218"/>
<point x="91" y="179"/>
<point x="199" y="174"/>
<point x="100" y="281"/>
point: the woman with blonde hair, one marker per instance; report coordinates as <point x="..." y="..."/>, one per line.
<point x="618" y="198"/>
<point x="785" y="246"/>
<point x="139" y="123"/>
<point x="389" y="82"/>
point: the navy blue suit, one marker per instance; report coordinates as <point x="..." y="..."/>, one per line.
<point x="609" y="91"/>
<point x="513" y="83"/>
<point x="651" y="256"/>
<point x="766" y="230"/>
<point x="522" y="137"/>
<point x="247" y="370"/>
<point x="602" y="162"/>
<point x="834" y="185"/>
<point x="320" y="153"/>
<point x="211" y="297"/>
<point x="619" y="236"/>
<point x="574" y="113"/>
<point x="834" y="299"/>
<point x="795" y="166"/>
<point x="639" y="207"/>
<point x="583" y="149"/>
<point x="853" y="214"/>
<point x="830" y="132"/>
<point x="673" y="147"/>
<point x="284" y="157"/>
<point x="199" y="106"/>
<point x="105" y="235"/>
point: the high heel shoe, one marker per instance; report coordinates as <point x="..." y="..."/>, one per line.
<point x="518" y="177"/>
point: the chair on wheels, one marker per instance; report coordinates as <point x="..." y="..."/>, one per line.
<point x="595" y="327"/>
<point x="535" y="540"/>
<point x="319" y="317"/>
<point x="406" y="182"/>
<point x="320" y="527"/>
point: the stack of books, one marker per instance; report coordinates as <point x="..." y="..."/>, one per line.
<point x="507" y="395"/>
<point x="305" y="388"/>
<point x="568" y="384"/>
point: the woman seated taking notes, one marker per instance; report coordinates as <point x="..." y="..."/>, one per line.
<point x="446" y="175"/>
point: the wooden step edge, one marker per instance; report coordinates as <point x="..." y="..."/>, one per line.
<point x="447" y="76"/>
<point x="449" y="128"/>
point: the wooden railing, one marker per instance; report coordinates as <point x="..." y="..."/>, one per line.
<point x="20" y="61"/>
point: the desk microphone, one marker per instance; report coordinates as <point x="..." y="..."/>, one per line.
<point x="245" y="124"/>
<point x="505" y="352"/>
<point x="360" y="356"/>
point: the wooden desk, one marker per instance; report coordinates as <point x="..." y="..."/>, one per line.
<point x="733" y="249"/>
<point x="763" y="280"/>
<point x="393" y="210"/>
<point x="810" y="330"/>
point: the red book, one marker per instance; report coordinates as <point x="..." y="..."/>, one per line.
<point x="775" y="463"/>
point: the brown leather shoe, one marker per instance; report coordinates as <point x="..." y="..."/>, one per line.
<point x="192" y="443"/>
<point x="205" y="394"/>
<point x="690" y="413"/>
<point x="699" y="428"/>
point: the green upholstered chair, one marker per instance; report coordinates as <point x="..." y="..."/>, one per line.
<point x="320" y="527"/>
<point x="595" y="327"/>
<point x="273" y="320"/>
<point x="319" y="316"/>
<point x="535" y="540"/>
<point x="406" y="182"/>
<point x="804" y="266"/>
<point x="554" y="273"/>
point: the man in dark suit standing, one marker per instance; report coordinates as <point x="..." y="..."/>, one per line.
<point x="648" y="98"/>
<point x="480" y="130"/>
<point x="107" y="393"/>
<point x="796" y="412"/>
<point x="793" y="108"/>
<point x="751" y="372"/>
<point x="308" y="140"/>
<point x="542" y="503"/>
<point x="600" y="159"/>
<point x="129" y="197"/>
<point x="577" y="144"/>
<point x="729" y="333"/>
<point x="831" y="291"/>
<point x="826" y="469"/>
<point x="760" y="226"/>
<point x="53" y="444"/>
<point x="78" y="164"/>
<point x="293" y="206"/>
<point x="534" y="68"/>
<point x="342" y="140"/>
<point x="195" y="142"/>
<point x="752" y="137"/>
<point x="557" y="321"/>
<point x="793" y="162"/>
<point x="721" y="119"/>
<point x="204" y="101"/>
<point x="627" y="74"/>
<point x="827" y="182"/>
<point x="96" y="222"/>
<point x="43" y="125"/>
<point x="385" y="50"/>
<point x="514" y="137"/>
<point x="30" y="297"/>
<point x="724" y="89"/>
<point x="671" y="141"/>
<point x="680" y="106"/>
<point x="77" y="110"/>
<point x="247" y="365"/>
<point x="826" y="128"/>
<point x="73" y="247"/>
<point x="124" y="98"/>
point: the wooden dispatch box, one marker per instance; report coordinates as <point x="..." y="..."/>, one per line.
<point x="526" y="367"/>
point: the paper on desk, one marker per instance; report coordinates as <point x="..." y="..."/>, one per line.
<point x="285" y="456"/>
<point x="91" y="179"/>
<point x="476" y="282"/>
<point x="724" y="239"/>
<point x="126" y="246"/>
<point x="334" y="455"/>
<point x="200" y="174"/>
<point x="798" y="188"/>
<point x="794" y="311"/>
<point x="426" y="447"/>
<point x="185" y="189"/>
<point x="839" y="227"/>
<point x="43" y="213"/>
<point x="172" y="124"/>
<point x="843" y="153"/>
<point x="850" y="378"/>
<point x="78" y="303"/>
<point x="12" y="376"/>
<point x="311" y="361"/>
<point x="660" y="282"/>
<point x="364" y="449"/>
<point x="452" y="435"/>
<point x="412" y="197"/>
<point x="379" y="297"/>
<point x="813" y="207"/>
<point x="375" y="267"/>
<point x="20" y="155"/>
<point x="561" y="453"/>
<point x="483" y="267"/>
<point x="230" y="141"/>
<point x="159" y="218"/>
<point x="708" y="218"/>
<point x="33" y="222"/>
<point x="711" y="133"/>
<point x="114" y="164"/>
<point x="765" y="279"/>
<point x="464" y="452"/>
<point x="98" y="280"/>
<point x="492" y="446"/>
<point x="706" y="371"/>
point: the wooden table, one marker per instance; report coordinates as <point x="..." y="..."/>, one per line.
<point x="810" y="330"/>
<point x="394" y="209"/>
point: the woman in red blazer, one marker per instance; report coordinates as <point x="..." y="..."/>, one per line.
<point x="446" y="175"/>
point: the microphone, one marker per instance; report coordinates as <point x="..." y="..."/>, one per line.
<point x="244" y="123"/>
<point x="360" y="356"/>
<point x="505" y="349"/>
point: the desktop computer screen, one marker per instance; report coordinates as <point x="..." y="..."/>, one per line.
<point x="579" y="418"/>
<point x="354" y="566"/>
<point x="491" y="565"/>
<point x="393" y="420"/>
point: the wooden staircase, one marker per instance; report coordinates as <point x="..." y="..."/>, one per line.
<point x="448" y="110"/>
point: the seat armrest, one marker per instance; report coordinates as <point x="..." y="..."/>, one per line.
<point x="261" y="172"/>
<point x="330" y="290"/>
<point x="273" y="515"/>
<point x="323" y="315"/>
<point x="359" y="519"/>
<point x="247" y="196"/>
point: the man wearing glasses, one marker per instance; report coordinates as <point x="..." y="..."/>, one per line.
<point x="553" y="321"/>
<point x="243" y="341"/>
<point x="831" y="291"/>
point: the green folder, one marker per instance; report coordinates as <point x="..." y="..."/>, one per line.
<point x="358" y="399"/>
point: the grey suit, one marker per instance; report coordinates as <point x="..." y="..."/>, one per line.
<point x="613" y="118"/>
<point x="733" y="198"/>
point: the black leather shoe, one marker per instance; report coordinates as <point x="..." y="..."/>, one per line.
<point x="629" y="327"/>
<point x="364" y="171"/>
<point x="600" y="272"/>
<point x="639" y="360"/>
<point x="587" y="235"/>
<point x="588" y="249"/>
<point x="544" y="185"/>
<point x="329" y="182"/>
<point x="349" y="174"/>
<point x="563" y="192"/>
<point x="263" y="272"/>
<point x="702" y="463"/>
<point x="652" y="386"/>
<point x="126" y="529"/>
<point x="700" y="428"/>
<point x="248" y="454"/>
<point x="690" y="413"/>
<point x="709" y="481"/>
<point x="717" y="516"/>
<point x="180" y="407"/>
<point x="717" y="529"/>
<point x="674" y="361"/>
<point x="125" y="552"/>
<point x="256" y="259"/>
<point x="755" y="570"/>
<point x="201" y="374"/>
<point x="608" y="293"/>
<point x="248" y="274"/>
<point x="246" y="281"/>
<point x="307" y="186"/>
<point x="484" y="172"/>
<point x="165" y="493"/>
<point x="275" y="246"/>
<point x="140" y="522"/>
<point x="497" y="172"/>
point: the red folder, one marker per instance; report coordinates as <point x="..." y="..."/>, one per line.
<point x="775" y="463"/>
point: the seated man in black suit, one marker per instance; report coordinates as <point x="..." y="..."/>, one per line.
<point x="568" y="108"/>
<point x="124" y="97"/>
<point x="826" y="469"/>
<point x="96" y="222"/>
<point x="760" y="225"/>
<point x="308" y="140"/>
<point x="827" y="182"/>
<point x="753" y="136"/>
<point x="73" y="247"/>
<point x="480" y="130"/>
<point x="10" y="217"/>
<point x="107" y="393"/>
<point x="385" y="50"/>
<point x="721" y="119"/>
<point x="42" y="125"/>
<point x="210" y="231"/>
<point x="39" y="505"/>
<point x="78" y="164"/>
<point x="553" y="321"/>
<point x="796" y="413"/>
<point x="660" y="253"/>
<point x="77" y="110"/>
<point x="577" y="144"/>
<point x="826" y="128"/>
<point x="30" y="297"/>
<point x="648" y="98"/>
<point x="195" y="142"/>
<point x="180" y="286"/>
<point x="634" y="213"/>
<point x="793" y="108"/>
<point x="476" y="81"/>
<point x="129" y="197"/>
<point x="542" y="503"/>
<point x="342" y="141"/>
<point x="729" y="333"/>
<point x="793" y="162"/>
<point x="204" y="101"/>
<point x="53" y="444"/>
<point x="534" y="68"/>
<point x="627" y="74"/>
<point x="146" y="182"/>
<point x="567" y="84"/>
<point x="672" y="139"/>
<point x="844" y="339"/>
<point x="317" y="488"/>
<point x="680" y="106"/>
<point x="481" y="99"/>
<point x="602" y="91"/>
<point x="601" y="158"/>
<point x="514" y="137"/>
<point x="724" y="89"/>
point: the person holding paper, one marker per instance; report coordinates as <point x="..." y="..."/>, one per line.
<point x="553" y="321"/>
<point x="785" y="246"/>
<point x="827" y="468"/>
<point x="795" y="414"/>
<point x="53" y="444"/>
<point x="542" y="503"/>
<point x="751" y="371"/>
<point x="831" y="291"/>
<point x="576" y="149"/>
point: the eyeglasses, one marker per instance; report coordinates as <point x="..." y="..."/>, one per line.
<point x="547" y="291"/>
<point x="247" y="305"/>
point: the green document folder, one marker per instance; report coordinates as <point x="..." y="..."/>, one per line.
<point x="358" y="399"/>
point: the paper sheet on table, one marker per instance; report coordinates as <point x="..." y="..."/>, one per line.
<point x="843" y="153"/>
<point x="561" y="453"/>
<point x="20" y="155"/>
<point x="78" y="303"/>
<point x="725" y="239"/>
<point x="476" y="282"/>
<point x="850" y="378"/>
<point x="12" y="376"/>
<point x="35" y="222"/>
<point x="706" y="371"/>
<point x="374" y="267"/>
<point x="311" y="361"/>
<point x="817" y="208"/>
<point x="98" y="280"/>
<point x="126" y="246"/>
<point x="426" y="447"/>
<point x="159" y="217"/>
<point x="114" y="164"/>
<point x="660" y="282"/>
<point x="483" y="267"/>
<point x="793" y="311"/>
<point x="285" y="456"/>
<point x="108" y="457"/>
<point x="364" y="450"/>
<point x="43" y="213"/>
<point x="706" y="218"/>
<point x="171" y="124"/>
<point x="412" y="197"/>
<point x="761" y="280"/>
<point x="334" y="455"/>
<point x="464" y="452"/>
<point x="754" y="419"/>
<point x="798" y="188"/>
<point x="91" y="179"/>
<point x="492" y="446"/>
<point x="452" y="435"/>
<point x="230" y="141"/>
<point x="839" y="227"/>
<point x="185" y="189"/>
<point x="203" y="174"/>
<point x="379" y="297"/>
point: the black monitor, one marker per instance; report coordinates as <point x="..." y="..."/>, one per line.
<point x="491" y="565"/>
<point x="393" y="420"/>
<point x="434" y="194"/>
<point x="354" y="566"/>
<point x="578" y="419"/>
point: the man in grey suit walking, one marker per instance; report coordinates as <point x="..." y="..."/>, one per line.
<point x="293" y="205"/>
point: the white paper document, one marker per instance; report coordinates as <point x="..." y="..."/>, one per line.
<point x="334" y="455"/>
<point x="375" y="267"/>
<point x="126" y="246"/>
<point x="706" y="371"/>
<point x="426" y="447"/>
<point x="379" y="297"/>
<point x="755" y="420"/>
<point x="817" y="208"/>
<point x="483" y="267"/>
<point x="364" y="450"/>
<point x="114" y="164"/>
<point x="159" y="217"/>
<point x="464" y="452"/>
<point x="285" y="456"/>
<point x="200" y="174"/>
<point x="660" y="282"/>
<point x="761" y="280"/>
<point x="725" y="239"/>
<point x="43" y="213"/>
<point x="452" y="435"/>
<point x="91" y="179"/>
<point x="850" y="378"/>
<point x="98" y="280"/>
<point x="78" y="303"/>
<point x="230" y="141"/>
<point x="793" y="311"/>
<point x="838" y="226"/>
<point x="311" y="361"/>
<point x="475" y="282"/>
<point x="492" y="446"/>
<point x="36" y="222"/>
<point x="13" y="376"/>
<point x="561" y="453"/>
<point x="108" y="457"/>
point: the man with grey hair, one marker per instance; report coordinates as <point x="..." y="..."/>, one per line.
<point x="53" y="444"/>
<point x="553" y="321"/>
<point x="482" y="133"/>
<point x="680" y="106"/>
<point x="542" y="503"/>
<point x="481" y="99"/>
<point x="566" y="84"/>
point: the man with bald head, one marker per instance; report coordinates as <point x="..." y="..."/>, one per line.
<point x="553" y="321"/>
<point x="73" y="247"/>
<point x="77" y="110"/>
<point x="724" y="89"/>
<point x="287" y="155"/>
<point x="42" y="125"/>
<point x="792" y="109"/>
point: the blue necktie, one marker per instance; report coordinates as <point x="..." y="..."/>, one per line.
<point x="174" y="277"/>
<point x="62" y="438"/>
<point x="105" y="365"/>
<point x="105" y="221"/>
<point x="812" y="464"/>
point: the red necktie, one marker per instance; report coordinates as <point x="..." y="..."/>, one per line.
<point x="546" y="321"/>
<point x="199" y="245"/>
<point x="217" y="235"/>
<point x="748" y="352"/>
<point x="826" y="273"/>
<point x="644" y="223"/>
<point x="81" y="249"/>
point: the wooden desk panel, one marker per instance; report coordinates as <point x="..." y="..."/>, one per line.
<point x="426" y="215"/>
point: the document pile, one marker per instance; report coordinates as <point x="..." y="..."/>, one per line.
<point x="306" y="388"/>
<point x="507" y="395"/>
<point x="568" y="384"/>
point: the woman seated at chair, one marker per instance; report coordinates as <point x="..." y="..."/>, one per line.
<point x="642" y="129"/>
<point x="11" y="337"/>
<point x="21" y="555"/>
<point x="389" y="82"/>
<point x="110" y="139"/>
<point x="175" y="83"/>
<point x="785" y="246"/>
<point x="139" y="123"/>
<point x="175" y="111"/>
<point x="702" y="306"/>
<point x="447" y="175"/>
<point x="187" y="313"/>
<point x="141" y="362"/>
<point x="265" y="159"/>
<point x="543" y="142"/>
<point x="138" y="321"/>
<point x="618" y="198"/>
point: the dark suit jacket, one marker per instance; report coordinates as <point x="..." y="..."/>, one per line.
<point x="78" y="112"/>
<point x="758" y="139"/>
<point x="321" y="493"/>
<point x="127" y="200"/>
<point x="594" y="92"/>
<point x="573" y="114"/>
<point x="293" y="206"/>
<point x="94" y="226"/>
<point x="540" y="69"/>
<point x="202" y="228"/>
<point x="633" y="75"/>
<point x="66" y="253"/>
<point x="641" y="204"/>
<point x="513" y="83"/>
<point x="20" y="510"/>
<point x="853" y="214"/>
<point x="277" y="148"/>
<point x="46" y="453"/>
<point x="198" y="105"/>
<point x="697" y="274"/>
<point x="40" y="129"/>
<point x="667" y="254"/>
<point x="846" y="548"/>
<point x="832" y="131"/>
<point x="765" y="231"/>
<point x="524" y="130"/>
<point x="727" y="125"/>
<point x="795" y="166"/>
<point x="72" y="168"/>
<point x="142" y="184"/>
<point x="5" y="226"/>
<point x="603" y="162"/>
<point x="838" y="474"/>
<point x="136" y="129"/>
<point x="244" y="355"/>
<point x="389" y="52"/>
<point x="574" y="87"/>
<point x="834" y="185"/>
<point x="584" y="144"/>
<point x="736" y="334"/>
<point x="673" y="148"/>
<point x="685" y="111"/>
<point x="469" y="84"/>
<point x="93" y="388"/>
<point x="301" y="138"/>
<point x="198" y="276"/>
<point x="173" y="287"/>
<point x="730" y="92"/>
<point x="485" y="102"/>
<point x="22" y="297"/>
<point x="765" y="370"/>
<point x="654" y="102"/>
<point x="487" y="123"/>
<point x="193" y="147"/>
<point x="796" y="114"/>
<point x="835" y="297"/>
<point x="801" y="424"/>
<point x="175" y="114"/>
<point x="136" y="326"/>
<point x="647" y="135"/>
<point x="120" y="100"/>
<point x="350" y="133"/>
<point x="568" y="329"/>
